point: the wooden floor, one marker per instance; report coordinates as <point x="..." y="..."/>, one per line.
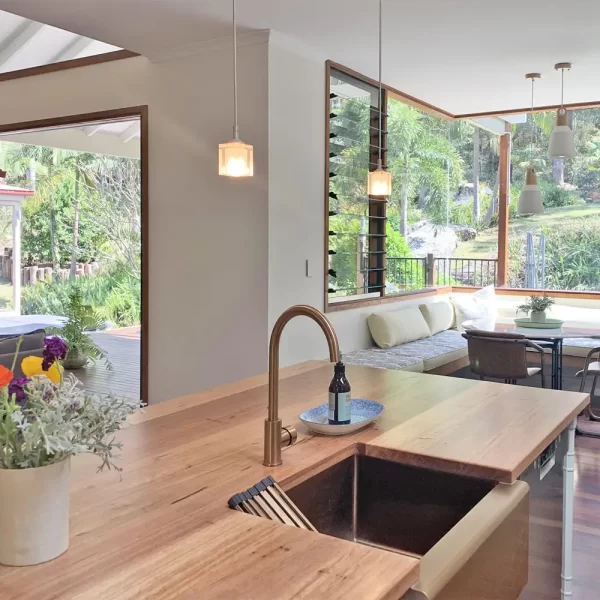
<point x="586" y="540"/>
<point x="122" y="346"/>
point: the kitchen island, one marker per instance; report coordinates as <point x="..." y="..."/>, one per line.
<point x="165" y="531"/>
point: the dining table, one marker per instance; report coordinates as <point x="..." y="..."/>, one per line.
<point x="552" y="338"/>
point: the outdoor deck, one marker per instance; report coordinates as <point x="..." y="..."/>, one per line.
<point x="122" y="346"/>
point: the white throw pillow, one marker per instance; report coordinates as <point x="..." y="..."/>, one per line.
<point x="398" y="327"/>
<point x="480" y="305"/>
<point x="439" y="316"/>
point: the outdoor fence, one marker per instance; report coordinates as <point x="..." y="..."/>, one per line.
<point x="418" y="273"/>
<point x="33" y="274"/>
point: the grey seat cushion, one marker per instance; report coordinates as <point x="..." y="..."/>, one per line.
<point x="405" y="356"/>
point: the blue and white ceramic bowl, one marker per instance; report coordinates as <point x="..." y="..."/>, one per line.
<point x="362" y="412"/>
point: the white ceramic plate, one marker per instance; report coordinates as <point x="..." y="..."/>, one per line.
<point x="362" y="413"/>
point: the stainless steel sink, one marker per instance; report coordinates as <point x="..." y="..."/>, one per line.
<point x="472" y="535"/>
<point x="382" y="503"/>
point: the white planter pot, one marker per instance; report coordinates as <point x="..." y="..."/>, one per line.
<point x="538" y="316"/>
<point x="34" y="514"/>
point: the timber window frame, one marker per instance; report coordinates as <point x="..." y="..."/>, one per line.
<point x="371" y="248"/>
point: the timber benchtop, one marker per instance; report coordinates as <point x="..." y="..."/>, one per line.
<point x="165" y="532"/>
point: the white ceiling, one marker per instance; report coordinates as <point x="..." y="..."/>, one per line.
<point x="115" y="138"/>
<point x="25" y="44"/>
<point x="460" y="55"/>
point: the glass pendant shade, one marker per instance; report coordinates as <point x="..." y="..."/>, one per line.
<point x="562" y="144"/>
<point x="236" y="159"/>
<point x="530" y="200"/>
<point x="380" y="183"/>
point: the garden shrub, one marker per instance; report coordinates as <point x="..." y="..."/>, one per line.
<point x="556" y="195"/>
<point x="572" y="256"/>
<point x="115" y="296"/>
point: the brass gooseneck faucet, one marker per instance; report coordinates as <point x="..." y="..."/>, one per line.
<point x="275" y="434"/>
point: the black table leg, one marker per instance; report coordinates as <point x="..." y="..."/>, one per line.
<point x="554" y="365"/>
<point x="560" y="364"/>
<point x="557" y="364"/>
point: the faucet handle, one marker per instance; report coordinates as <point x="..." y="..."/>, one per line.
<point x="289" y="435"/>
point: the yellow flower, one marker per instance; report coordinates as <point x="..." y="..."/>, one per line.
<point x="32" y="366"/>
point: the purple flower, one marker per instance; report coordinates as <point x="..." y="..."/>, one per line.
<point x="55" y="348"/>
<point x="17" y="387"/>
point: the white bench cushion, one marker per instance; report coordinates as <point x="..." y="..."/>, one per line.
<point x="397" y="327"/>
<point x="438" y="315"/>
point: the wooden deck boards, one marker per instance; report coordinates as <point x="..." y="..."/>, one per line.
<point x="122" y="346"/>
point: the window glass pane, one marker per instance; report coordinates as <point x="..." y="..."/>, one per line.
<point x="356" y="259"/>
<point x="559" y="249"/>
<point x="437" y="167"/>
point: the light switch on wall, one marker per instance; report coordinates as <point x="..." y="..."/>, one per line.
<point x="308" y="269"/>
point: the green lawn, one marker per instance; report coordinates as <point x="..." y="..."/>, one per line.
<point x="484" y="245"/>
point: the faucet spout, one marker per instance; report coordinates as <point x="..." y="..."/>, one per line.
<point x="273" y="425"/>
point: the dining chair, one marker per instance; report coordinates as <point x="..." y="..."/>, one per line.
<point x="592" y="367"/>
<point x="502" y="355"/>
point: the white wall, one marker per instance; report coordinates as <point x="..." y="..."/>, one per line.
<point x="208" y="234"/>
<point x="296" y="164"/>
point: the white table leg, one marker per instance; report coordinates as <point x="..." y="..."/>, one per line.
<point x="568" y="501"/>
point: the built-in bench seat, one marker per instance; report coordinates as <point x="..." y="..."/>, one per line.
<point x="404" y="339"/>
<point x="419" y="356"/>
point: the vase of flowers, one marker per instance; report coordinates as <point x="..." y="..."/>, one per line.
<point x="46" y="419"/>
<point x="537" y="306"/>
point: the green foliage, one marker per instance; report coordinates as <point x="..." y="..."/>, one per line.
<point x="102" y="194"/>
<point x="462" y="214"/>
<point x="115" y="297"/>
<point x="572" y="256"/>
<point x="396" y="245"/>
<point x="54" y="422"/>
<point x="81" y="318"/>
<point x="422" y="160"/>
<point x="36" y="229"/>
<point x="536" y="304"/>
<point x="347" y="243"/>
<point x="556" y="195"/>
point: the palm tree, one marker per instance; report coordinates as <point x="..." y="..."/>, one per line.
<point x="51" y="167"/>
<point x="421" y="158"/>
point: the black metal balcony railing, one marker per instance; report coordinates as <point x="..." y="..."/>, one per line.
<point x="466" y="271"/>
<point x="417" y="273"/>
<point x="406" y="273"/>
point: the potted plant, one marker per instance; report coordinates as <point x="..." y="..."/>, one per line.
<point x="537" y="306"/>
<point x="44" y="420"/>
<point x="81" y="318"/>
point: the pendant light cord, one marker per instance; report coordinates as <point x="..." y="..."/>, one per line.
<point x="380" y="107"/>
<point x="562" y="88"/>
<point x="236" y="133"/>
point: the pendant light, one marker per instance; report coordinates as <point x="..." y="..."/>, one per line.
<point x="236" y="159"/>
<point x="530" y="200"/>
<point x="562" y="144"/>
<point x="379" y="181"/>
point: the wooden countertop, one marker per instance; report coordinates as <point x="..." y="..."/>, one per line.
<point x="165" y="532"/>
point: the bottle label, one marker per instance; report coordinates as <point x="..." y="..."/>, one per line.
<point x="339" y="407"/>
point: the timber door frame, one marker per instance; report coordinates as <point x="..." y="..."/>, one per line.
<point x="140" y="112"/>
